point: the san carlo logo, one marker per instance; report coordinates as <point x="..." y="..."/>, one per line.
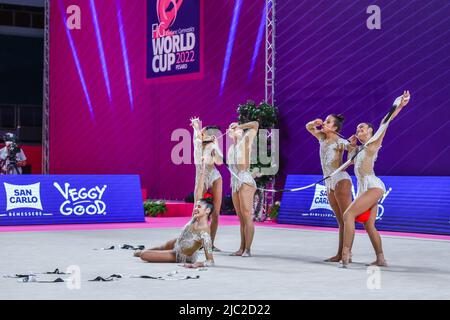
<point x="82" y="201"/>
<point x="23" y="196"/>
<point x="320" y="201"/>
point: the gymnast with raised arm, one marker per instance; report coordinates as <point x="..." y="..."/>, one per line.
<point x="339" y="187"/>
<point x="207" y="146"/>
<point x="243" y="185"/>
<point x="195" y="235"/>
<point x="370" y="187"/>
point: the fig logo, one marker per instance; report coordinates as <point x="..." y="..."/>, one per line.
<point x="167" y="14"/>
<point x="23" y="196"/>
<point x="320" y="200"/>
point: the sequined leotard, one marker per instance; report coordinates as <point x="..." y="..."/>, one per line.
<point x="211" y="172"/>
<point x="364" y="163"/>
<point x="186" y="242"/>
<point x="330" y="162"/>
<point x="234" y="158"/>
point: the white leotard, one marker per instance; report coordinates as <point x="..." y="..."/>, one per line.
<point x="187" y="240"/>
<point x="234" y="158"/>
<point x="364" y="164"/>
<point x="330" y="162"/>
<point x="211" y="172"/>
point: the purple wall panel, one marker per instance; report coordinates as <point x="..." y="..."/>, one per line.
<point x="328" y="61"/>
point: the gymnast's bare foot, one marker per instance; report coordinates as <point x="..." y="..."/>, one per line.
<point x="137" y="253"/>
<point x="336" y="258"/>
<point x="346" y="257"/>
<point x="237" y="253"/>
<point x="246" y="253"/>
<point x="380" y="262"/>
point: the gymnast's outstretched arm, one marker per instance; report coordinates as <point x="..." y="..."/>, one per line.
<point x="196" y="125"/>
<point x="208" y="247"/>
<point x="198" y="151"/>
<point x="403" y="103"/>
<point x="198" y="192"/>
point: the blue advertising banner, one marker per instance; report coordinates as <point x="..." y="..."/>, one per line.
<point x="67" y="199"/>
<point x="410" y="204"/>
<point x="174" y="42"/>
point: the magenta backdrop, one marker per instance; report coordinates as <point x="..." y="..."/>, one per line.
<point x="118" y="140"/>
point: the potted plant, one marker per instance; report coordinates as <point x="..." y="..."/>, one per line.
<point x="154" y="208"/>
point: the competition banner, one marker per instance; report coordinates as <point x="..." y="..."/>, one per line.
<point x="174" y="41"/>
<point x="411" y="204"/>
<point x="67" y="199"/>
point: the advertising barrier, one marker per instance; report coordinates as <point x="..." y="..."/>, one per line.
<point x="67" y="199"/>
<point x="411" y="204"/>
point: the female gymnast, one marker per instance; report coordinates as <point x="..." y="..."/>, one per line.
<point x="339" y="186"/>
<point x="370" y="188"/>
<point x="195" y="235"/>
<point x="206" y="146"/>
<point x="243" y="185"/>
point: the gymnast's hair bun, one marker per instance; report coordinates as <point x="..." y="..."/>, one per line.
<point x="338" y="121"/>
<point x="340" y="117"/>
<point x="212" y="128"/>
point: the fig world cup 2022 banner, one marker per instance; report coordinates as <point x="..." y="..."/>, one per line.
<point x="173" y="38"/>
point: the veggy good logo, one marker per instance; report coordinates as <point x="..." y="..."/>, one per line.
<point x="82" y="201"/>
<point x="23" y="196"/>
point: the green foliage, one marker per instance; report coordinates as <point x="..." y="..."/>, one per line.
<point x="208" y="198"/>
<point x="274" y="210"/>
<point x="153" y="208"/>
<point x="265" y="114"/>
